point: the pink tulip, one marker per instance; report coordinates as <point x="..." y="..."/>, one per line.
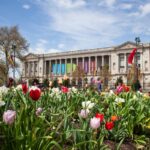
<point x="94" y="123"/>
<point x="38" y="111"/>
<point x="84" y="113"/>
<point x="9" y="116"/>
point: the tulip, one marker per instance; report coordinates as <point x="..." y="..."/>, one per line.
<point x="65" y="77"/>
<point x="94" y="123"/>
<point x="64" y="89"/>
<point x="35" y="93"/>
<point x="119" y="100"/>
<point x="38" y="111"/>
<point x="114" y="118"/>
<point x="109" y="125"/>
<point x="87" y="105"/>
<point x="19" y="87"/>
<point x="60" y="81"/>
<point x="24" y="88"/>
<point x="100" y="116"/>
<point x="9" y="116"/>
<point x="50" y="83"/>
<point x="2" y="103"/>
<point x="84" y="113"/>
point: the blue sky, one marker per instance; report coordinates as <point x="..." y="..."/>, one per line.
<point x="62" y="25"/>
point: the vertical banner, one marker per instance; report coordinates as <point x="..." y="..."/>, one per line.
<point x="58" y="68"/>
<point x="86" y="66"/>
<point x="68" y="68"/>
<point x="63" y="69"/>
<point x="53" y="68"/>
<point x="74" y="67"/>
<point x="80" y="64"/>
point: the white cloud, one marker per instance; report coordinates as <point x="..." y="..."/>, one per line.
<point x="145" y="9"/>
<point x="126" y="6"/>
<point x="70" y="3"/>
<point x="89" y="26"/>
<point x="61" y="45"/>
<point x="26" y="6"/>
<point x="108" y="3"/>
<point x="41" y="48"/>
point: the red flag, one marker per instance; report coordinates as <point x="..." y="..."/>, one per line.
<point x="130" y="58"/>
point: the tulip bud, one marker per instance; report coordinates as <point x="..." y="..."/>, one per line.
<point x="38" y="111"/>
<point x="84" y="113"/>
<point x="100" y="116"/>
<point x="9" y="116"/>
<point x="64" y="89"/>
<point x="109" y="125"/>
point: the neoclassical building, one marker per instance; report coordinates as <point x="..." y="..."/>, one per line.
<point x="52" y="65"/>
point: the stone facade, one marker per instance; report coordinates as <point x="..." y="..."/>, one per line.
<point x="91" y="61"/>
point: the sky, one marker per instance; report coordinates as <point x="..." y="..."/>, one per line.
<point x="65" y="25"/>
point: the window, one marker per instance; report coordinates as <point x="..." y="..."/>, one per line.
<point x="35" y="67"/>
<point x="26" y="68"/>
<point x="121" y="60"/>
<point x="138" y="59"/>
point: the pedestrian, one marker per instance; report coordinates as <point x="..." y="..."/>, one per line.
<point x="99" y="85"/>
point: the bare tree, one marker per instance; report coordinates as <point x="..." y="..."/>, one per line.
<point x="105" y="75"/>
<point x="78" y="73"/>
<point x="10" y="40"/>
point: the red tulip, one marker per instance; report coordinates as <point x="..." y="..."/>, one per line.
<point x="100" y="116"/>
<point x="126" y="88"/>
<point x="109" y="125"/>
<point x="24" y="88"/>
<point x="35" y="93"/>
<point x="64" y="89"/>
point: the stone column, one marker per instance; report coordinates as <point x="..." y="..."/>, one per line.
<point x="71" y="67"/>
<point x="125" y="63"/>
<point x="29" y="69"/>
<point x="109" y="62"/>
<point x="96" y="65"/>
<point x="50" y="67"/>
<point x="77" y="61"/>
<point x="89" y="66"/>
<point x="56" y="66"/>
<point x="60" y="66"/>
<point x="34" y="68"/>
<point x="45" y="67"/>
<point x="83" y="63"/>
<point x="102" y="61"/>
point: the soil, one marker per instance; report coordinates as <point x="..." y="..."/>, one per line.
<point x="125" y="146"/>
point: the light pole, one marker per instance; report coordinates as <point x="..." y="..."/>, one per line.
<point x="137" y="39"/>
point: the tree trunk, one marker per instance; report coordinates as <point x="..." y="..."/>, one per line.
<point x="7" y="68"/>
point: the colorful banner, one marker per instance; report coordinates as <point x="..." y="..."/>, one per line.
<point x="68" y="68"/>
<point x="54" y="69"/>
<point x="86" y="66"/>
<point x="63" y="69"/>
<point x="74" y="67"/>
<point x="58" y="69"/>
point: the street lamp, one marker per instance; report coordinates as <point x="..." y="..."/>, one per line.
<point x="137" y="40"/>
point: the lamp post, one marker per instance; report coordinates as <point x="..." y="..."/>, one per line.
<point x="137" y="39"/>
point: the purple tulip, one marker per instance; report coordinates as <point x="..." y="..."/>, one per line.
<point x="94" y="123"/>
<point x="9" y="116"/>
<point x="38" y="111"/>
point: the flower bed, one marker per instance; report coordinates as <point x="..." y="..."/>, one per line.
<point x="72" y="119"/>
